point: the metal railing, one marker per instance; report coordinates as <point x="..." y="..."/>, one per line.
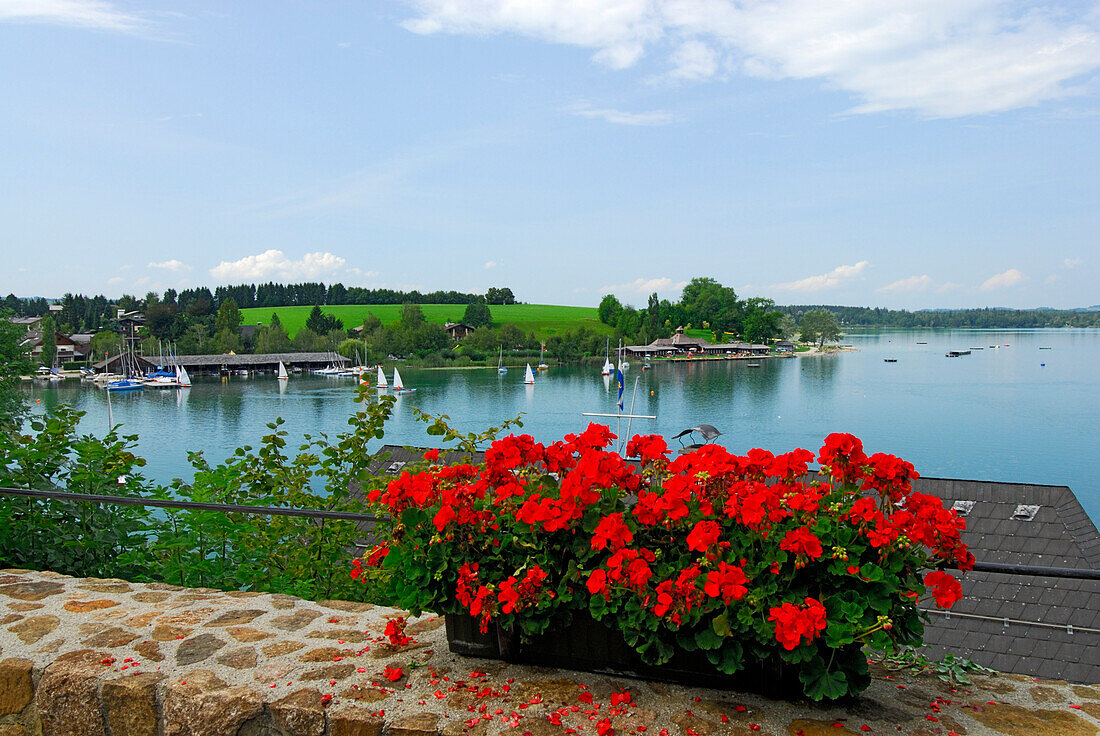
<point x="1001" y="568"/>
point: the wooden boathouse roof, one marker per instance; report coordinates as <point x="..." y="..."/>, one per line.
<point x="239" y="360"/>
<point x="1042" y="627"/>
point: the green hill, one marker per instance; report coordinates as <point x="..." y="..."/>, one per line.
<point x="542" y="319"/>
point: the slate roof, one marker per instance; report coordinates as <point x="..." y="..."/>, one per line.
<point x="1053" y="627"/>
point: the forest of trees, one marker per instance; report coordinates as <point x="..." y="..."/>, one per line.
<point x="958" y="318"/>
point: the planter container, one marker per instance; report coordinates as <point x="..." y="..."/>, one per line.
<point x="589" y="646"/>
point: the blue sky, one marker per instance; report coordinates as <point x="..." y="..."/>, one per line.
<point x="900" y="153"/>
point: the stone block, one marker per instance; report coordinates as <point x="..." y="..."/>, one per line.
<point x="88" y="606"/>
<point x="235" y="618"/>
<point x="34" y="628"/>
<point x="130" y="704"/>
<point x="354" y="722"/>
<point x="197" y="649"/>
<point x="16" y="685"/>
<point x="67" y="698"/>
<point x="416" y="724"/>
<point x="31" y="591"/>
<point x="202" y="705"/>
<point x="300" y="713"/>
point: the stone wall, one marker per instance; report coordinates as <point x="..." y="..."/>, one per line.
<point x="110" y="658"/>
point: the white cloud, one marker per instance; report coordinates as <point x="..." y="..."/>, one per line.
<point x="837" y="277"/>
<point x="1071" y="263"/>
<point x="1052" y="278"/>
<point x="95" y="14"/>
<point x="694" y="60"/>
<point x="172" y="265"/>
<point x="948" y="286"/>
<point x="490" y="264"/>
<point x="645" y="286"/>
<point x="274" y="264"/>
<point x="941" y="58"/>
<point x="652" y="118"/>
<point x="115" y="280"/>
<point x="1011" y="277"/>
<point x="360" y="272"/>
<point x="913" y="283"/>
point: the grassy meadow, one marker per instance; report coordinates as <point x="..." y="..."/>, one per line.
<point x="542" y="319"/>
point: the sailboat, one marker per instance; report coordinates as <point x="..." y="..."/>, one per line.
<point x="182" y="378"/>
<point x="398" y="386"/>
<point x="500" y="362"/>
<point x="529" y="375"/>
<point x="282" y="374"/>
<point x="382" y="385"/>
<point x="623" y="364"/>
<point x="542" y="363"/>
<point x="608" y="366"/>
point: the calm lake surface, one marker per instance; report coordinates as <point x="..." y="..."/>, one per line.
<point x="1010" y="413"/>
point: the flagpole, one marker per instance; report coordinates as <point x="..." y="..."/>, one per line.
<point x="631" y="414"/>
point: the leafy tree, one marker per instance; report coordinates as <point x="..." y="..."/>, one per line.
<point x="228" y="341"/>
<point x="160" y="320"/>
<point x="706" y="300"/>
<point x="13" y="363"/>
<point x="412" y="316"/>
<point x="482" y="339"/>
<point x="819" y="326"/>
<point x="229" y="317"/>
<point x="477" y="314"/>
<point x="511" y="336"/>
<point x="497" y="295"/>
<point x="305" y="341"/>
<point x="106" y="342"/>
<point x="273" y="337"/>
<point x="371" y="323"/>
<point x="761" y="321"/>
<point x="49" y="341"/>
<point x="610" y="309"/>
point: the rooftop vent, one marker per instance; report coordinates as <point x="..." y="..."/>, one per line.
<point x="963" y="508"/>
<point x="395" y="467"/>
<point x="1025" y="512"/>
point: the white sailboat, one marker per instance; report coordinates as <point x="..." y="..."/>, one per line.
<point x="398" y="385"/>
<point x="500" y="362"/>
<point x="542" y="363"/>
<point x="182" y="378"/>
<point x="282" y="375"/>
<point x="608" y="366"/>
<point x="623" y="364"/>
<point x="382" y="385"/>
<point x="529" y="375"/>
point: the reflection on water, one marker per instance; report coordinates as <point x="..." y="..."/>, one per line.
<point x="1004" y="413"/>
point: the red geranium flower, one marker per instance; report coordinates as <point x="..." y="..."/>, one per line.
<point x="611" y="532"/>
<point x="803" y="543"/>
<point x="703" y="536"/>
<point x="945" y="588"/>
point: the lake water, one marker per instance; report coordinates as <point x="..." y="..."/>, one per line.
<point x="1010" y="413"/>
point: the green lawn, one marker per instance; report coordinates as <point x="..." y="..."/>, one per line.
<point x="542" y="319"/>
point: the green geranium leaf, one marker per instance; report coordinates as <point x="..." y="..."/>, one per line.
<point x="822" y="685"/>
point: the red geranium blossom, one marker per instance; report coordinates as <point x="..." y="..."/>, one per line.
<point x="793" y="623"/>
<point x="611" y="532"/>
<point x="703" y="536"/>
<point x="727" y="583"/>
<point x="945" y="588"/>
<point x="803" y="543"/>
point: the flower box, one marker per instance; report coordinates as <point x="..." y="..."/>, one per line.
<point x="589" y="646"/>
<point x="707" y="567"/>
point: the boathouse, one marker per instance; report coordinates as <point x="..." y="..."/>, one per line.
<point x="215" y="364"/>
<point x="681" y="344"/>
